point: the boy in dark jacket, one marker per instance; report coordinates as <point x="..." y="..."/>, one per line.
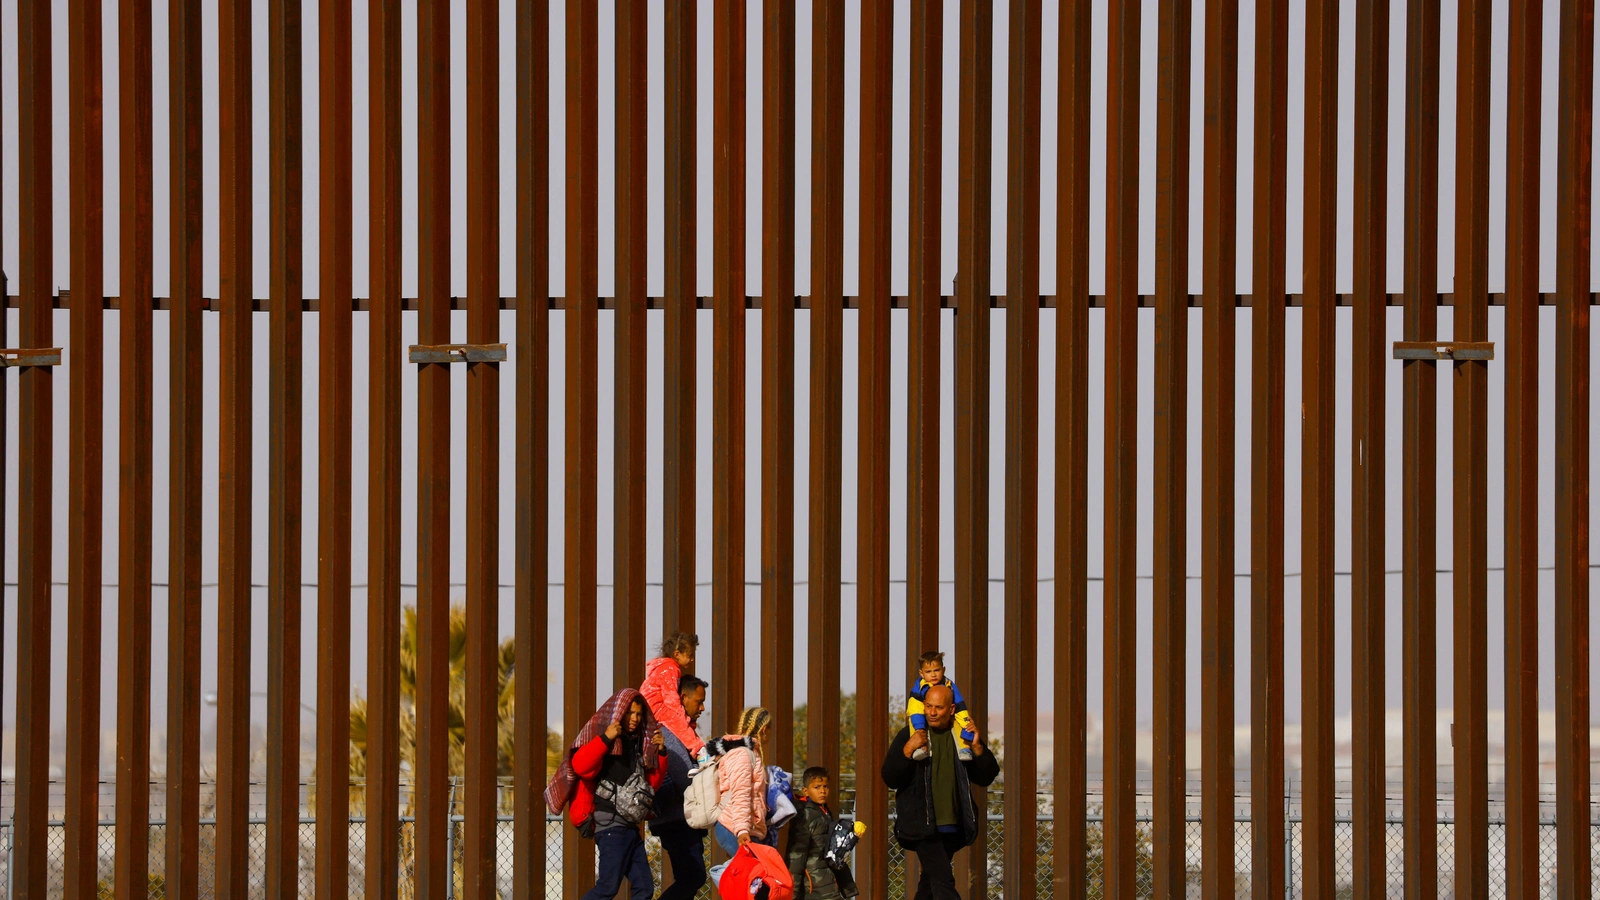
<point x="810" y="837"/>
<point x="934" y="813"/>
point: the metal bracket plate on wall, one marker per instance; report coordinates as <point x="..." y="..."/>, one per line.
<point x="457" y="353"/>
<point x="44" y="356"/>
<point x="1454" y="351"/>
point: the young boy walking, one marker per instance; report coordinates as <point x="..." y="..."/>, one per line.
<point x="817" y="874"/>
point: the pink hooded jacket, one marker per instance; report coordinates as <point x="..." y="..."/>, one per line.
<point x="742" y="781"/>
<point x="660" y="690"/>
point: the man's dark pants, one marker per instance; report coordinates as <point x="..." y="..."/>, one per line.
<point x="938" y="876"/>
<point x="685" y="848"/>
<point x="622" y="855"/>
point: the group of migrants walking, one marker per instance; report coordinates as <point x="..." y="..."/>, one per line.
<point x="640" y="763"/>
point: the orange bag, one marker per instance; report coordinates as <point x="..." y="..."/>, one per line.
<point x="755" y="861"/>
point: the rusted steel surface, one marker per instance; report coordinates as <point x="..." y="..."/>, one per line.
<point x="1368" y="508"/>
<point x="86" y="449"/>
<point x="1574" y="168"/>
<point x="334" y="350"/>
<point x="1122" y="441"/>
<point x="1071" y="670"/>
<point x="679" y="461"/>
<point x="1072" y="449"/>
<point x="1419" y="581"/>
<point x="582" y="409"/>
<point x="234" y="492"/>
<point x="185" y="440"/>
<point x="480" y="843"/>
<point x="923" y="353"/>
<point x="727" y="365"/>
<point x="827" y="383"/>
<point x="30" y="852"/>
<point x="972" y="380"/>
<point x="284" y="456"/>
<point x="1219" y="245"/>
<point x="384" y="539"/>
<point x="629" y="640"/>
<point x="1267" y="826"/>
<point x="777" y="367"/>
<point x="1022" y="449"/>
<point x="136" y="388"/>
<point x="873" y="523"/>
<point x="430" y="786"/>
<point x="1521" y="450"/>
<point x="1169" y="522"/>
<point x="1471" y="495"/>
<point x="1319" y="367"/>
<point x="533" y="438"/>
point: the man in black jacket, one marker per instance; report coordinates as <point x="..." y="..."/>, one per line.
<point x="684" y="846"/>
<point x="934" y="813"/>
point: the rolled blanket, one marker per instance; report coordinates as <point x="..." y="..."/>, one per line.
<point x="559" y="791"/>
<point x="780" y="805"/>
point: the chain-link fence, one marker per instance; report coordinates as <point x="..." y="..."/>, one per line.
<point x="898" y="889"/>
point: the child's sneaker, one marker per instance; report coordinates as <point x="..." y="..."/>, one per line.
<point x="919" y="754"/>
<point x="964" y="754"/>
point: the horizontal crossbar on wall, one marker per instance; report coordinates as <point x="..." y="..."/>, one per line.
<point x="63" y="300"/>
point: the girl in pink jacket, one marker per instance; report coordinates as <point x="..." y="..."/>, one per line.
<point x="742" y="782"/>
<point x="660" y="689"/>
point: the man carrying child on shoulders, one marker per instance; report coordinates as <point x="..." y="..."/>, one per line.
<point x="933" y="791"/>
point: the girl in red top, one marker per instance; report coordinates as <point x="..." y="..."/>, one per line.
<point x="660" y="689"/>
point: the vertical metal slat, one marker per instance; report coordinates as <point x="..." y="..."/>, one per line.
<point x="134" y="527"/>
<point x="1072" y="455"/>
<point x="872" y="598"/>
<point x="1022" y="447"/>
<point x="533" y="438"/>
<point x="728" y="352"/>
<point x="334" y="409"/>
<point x="1267" y="820"/>
<point x="430" y="784"/>
<point x="827" y="383"/>
<point x="1169" y="523"/>
<point x="1471" y="501"/>
<point x="1419" y="581"/>
<point x="182" y="839"/>
<point x="1217" y="441"/>
<point x="632" y="348"/>
<point x="972" y="380"/>
<point x="1523" y="124"/>
<point x="86" y="447"/>
<point x="1574" y="167"/>
<point x="480" y="845"/>
<point x="679" y="462"/>
<point x="284" y="50"/>
<point x="582" y="426"/>
<point x="777" y="369"/>
<point x="234" y="483"/>
<point x="1319" y="368"/>
<point x="1122" y="437"/>
<point x="923" y="356"/>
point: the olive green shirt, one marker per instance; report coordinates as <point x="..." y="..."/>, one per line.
<point x="942" y="745"/>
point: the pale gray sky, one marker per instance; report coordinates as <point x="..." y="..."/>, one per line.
<point x="62" y="642"/>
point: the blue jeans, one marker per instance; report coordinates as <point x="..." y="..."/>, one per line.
<point x="622" y="855"/>
<point x="685" y="849"/>
<point x="729" y="841"/>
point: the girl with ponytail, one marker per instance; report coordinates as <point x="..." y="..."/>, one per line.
<point x="742" y="782"/>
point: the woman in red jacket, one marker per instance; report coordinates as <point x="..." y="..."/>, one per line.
<point x="607" y="785"/>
